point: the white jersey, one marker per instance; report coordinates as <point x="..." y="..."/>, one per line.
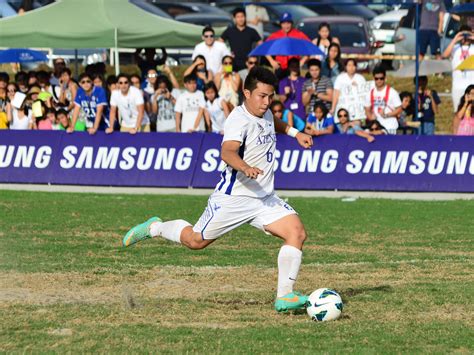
<point x="257" y="149"/>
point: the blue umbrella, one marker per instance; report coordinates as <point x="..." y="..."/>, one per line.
<point x="19" y="55"/>
<point x="287" y="46"/>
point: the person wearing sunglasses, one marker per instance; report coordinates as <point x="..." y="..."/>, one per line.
<point x="345" y="126"/>
<point x="250" y="63"/>
<point x="129" y="104"/>
<point x="89" y="105"/>
<point x="58" y="65"/>
<point x="383" y="102"/>
<point x="228" y="82"/>
<point x="211" y="49"/>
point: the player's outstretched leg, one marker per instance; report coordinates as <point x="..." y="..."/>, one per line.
<point x="291" y="230"/>
<point x="139" y="232"/>
<point x="178" y="231"/>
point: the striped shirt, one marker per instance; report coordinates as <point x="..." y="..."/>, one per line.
<point x="321" y="86"/>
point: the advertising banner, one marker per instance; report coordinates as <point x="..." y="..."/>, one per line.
<point x="391" y="163"/>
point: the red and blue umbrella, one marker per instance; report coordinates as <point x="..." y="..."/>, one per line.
<point x="20" y="55"/>
<point x="287" y="46"/>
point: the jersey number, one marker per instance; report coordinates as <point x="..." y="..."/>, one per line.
<point x="269" y="156"/>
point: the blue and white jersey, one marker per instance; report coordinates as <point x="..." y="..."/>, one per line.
<point x="89" y="106"/>
<point x="257" y="149"/>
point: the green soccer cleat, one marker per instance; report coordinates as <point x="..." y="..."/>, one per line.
<point x="139" y="232"/>
<point x="291" y="301"/>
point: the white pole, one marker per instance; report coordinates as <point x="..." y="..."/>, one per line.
<point x="117" y="63"/>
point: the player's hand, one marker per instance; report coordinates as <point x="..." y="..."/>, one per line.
<point x="252" y="172"/>
<point x="305" y="140"/>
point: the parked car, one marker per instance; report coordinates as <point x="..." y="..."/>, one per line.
<point x="352" y="32"/>
<point x="383" y="29"/>
<point x="144" y="5"/>
<point x="274" y="10"/>
<point x="212" y="20"/>
<point x="11" y="7"/>
<point x="175" y="9"/>
<point x="341" y="7"/>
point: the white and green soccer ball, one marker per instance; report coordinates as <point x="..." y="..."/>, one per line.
<point x="324" y="304"/>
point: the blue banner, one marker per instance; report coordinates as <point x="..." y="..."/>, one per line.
<point x="391" y="163"/>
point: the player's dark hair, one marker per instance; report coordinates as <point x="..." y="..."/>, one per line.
<point x="238" y="10"/>
<point x="260" y="75"/>
<point x="190" y="77"/>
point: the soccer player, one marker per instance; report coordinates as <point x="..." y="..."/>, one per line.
<point x="245" y="192"/>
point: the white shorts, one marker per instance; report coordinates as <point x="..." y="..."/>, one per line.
<point x="225" y="213"/>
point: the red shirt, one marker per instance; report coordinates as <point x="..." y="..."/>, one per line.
<point x="294" y="33"/>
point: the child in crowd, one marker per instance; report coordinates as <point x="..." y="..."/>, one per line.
<point x="428" y="102"/>
<point x="217" y="108"/>
<point x="279" y="111"/>
<point x="319" y="123"/>
<point x="375" y="128"/>
<point x="189" y="108"/>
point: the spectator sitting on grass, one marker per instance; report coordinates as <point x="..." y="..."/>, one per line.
<point x="318" y="122"/>
<point x="347" y="127"/>
<point x="280" y="112"/>
<point x="428" y="102"/>
<point x="190" y="108"/>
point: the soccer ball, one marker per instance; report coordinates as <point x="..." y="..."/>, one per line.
<point x="324" y="304"/>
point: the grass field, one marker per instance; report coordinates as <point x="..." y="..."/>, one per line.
<point x="404" y="269"/>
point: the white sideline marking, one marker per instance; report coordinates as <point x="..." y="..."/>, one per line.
<point x="422" y="196"/>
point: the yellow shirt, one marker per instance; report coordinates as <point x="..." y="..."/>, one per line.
<point x="3" y="120"/>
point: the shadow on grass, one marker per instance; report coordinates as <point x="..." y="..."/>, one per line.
<point x="351" y="292"/>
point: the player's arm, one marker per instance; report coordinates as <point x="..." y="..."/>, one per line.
<point x="305" y="140"/>
<point x="230" y="154"/>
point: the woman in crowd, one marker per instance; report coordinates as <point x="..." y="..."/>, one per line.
<point x="347" y="127"/>
<point x="199" y="69"/>
<point x="346" y="88"/>
<point x="291" y="89"/>
<point x="375" y="128"/>
<point x="12" y="88"/>
<point x="68" y="90"/>
<point x="464" y="119"/>
<point x="324" y="39"/>
<point x="162" y="104"/>
<point x="279" y="111"/>
<point x="217" y="108"/>
<point x="319" y="123"/>
<point x="228" y="82"/>
<point x="19" y="118"/>
<point x="332" y="66"/>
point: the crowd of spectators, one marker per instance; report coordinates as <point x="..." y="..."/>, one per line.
<point x="330" y="98"/>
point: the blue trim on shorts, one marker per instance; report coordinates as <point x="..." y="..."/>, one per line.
<point x="234" y="172"/>
<point x="223" y="182"/>
<point x="210" y="219"/>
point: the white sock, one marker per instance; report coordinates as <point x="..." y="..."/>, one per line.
<point x="169" y="230"/>
<point x="289" y="261"/>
